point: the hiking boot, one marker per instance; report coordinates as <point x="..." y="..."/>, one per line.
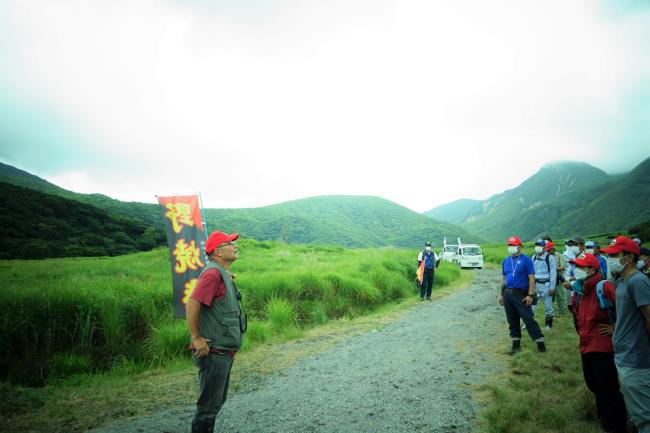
<point x="516" y="347"/>
<point x="421" y="299"/>
<point x="541" y="347"/>
<point x="428" y="298"/>
<point x="202" y="426"/>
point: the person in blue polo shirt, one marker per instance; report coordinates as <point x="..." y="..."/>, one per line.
<point x="517" y="295"/>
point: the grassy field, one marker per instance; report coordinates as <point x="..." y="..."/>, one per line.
<point x="62" y="317"/>
<point x="103" y="327"/>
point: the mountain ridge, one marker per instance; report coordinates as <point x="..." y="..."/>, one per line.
<point x="563" y="198"/>
<point x="352" y="221"/>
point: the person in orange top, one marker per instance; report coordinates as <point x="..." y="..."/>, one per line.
<point x="595" y="328"/>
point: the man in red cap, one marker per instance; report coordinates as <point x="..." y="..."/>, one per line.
<point x="217" y="324"/>
<point x="517" y="293"/>
<point x="632" y="332"/>
<point x="593" y="310"/>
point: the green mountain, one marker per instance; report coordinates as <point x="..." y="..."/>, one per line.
<point x="38" y="225"/>
<point x="144" y="212"/>
<point x="352" y="221"/>
<point x="561" y="199"/>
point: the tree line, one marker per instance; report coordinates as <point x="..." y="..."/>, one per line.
<point x="37" y="225"/>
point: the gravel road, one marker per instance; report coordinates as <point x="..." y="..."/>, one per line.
<point x="415" y="374"/>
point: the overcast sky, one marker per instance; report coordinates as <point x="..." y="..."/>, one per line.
<point x="255" y="102"/>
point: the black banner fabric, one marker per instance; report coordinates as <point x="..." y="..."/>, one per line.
<point x="186" y="238"/>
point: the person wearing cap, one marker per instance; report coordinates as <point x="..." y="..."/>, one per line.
<point x="517" y="294"/>
<point x="632" y="331"/>
<point x="592" y="247"/>
<point x="575" y="247"/>
<point x="431" y="261"/>
<point x="595" y="327"/>
<point x="562" y="263"/>
<point x="216" y="323"/>
<point x="545" y="279"/>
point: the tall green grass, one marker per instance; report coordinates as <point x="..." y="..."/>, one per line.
<point x="79" y="315"/>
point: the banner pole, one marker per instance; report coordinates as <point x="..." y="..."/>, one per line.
<point x="205" y="223"/>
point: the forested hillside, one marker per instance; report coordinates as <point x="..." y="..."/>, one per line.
<point x="145" y="212"/>
<point x="353" y="221"/>
<point x="38" y="225"/>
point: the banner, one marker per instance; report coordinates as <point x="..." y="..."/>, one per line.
<point x="186" y="237"/>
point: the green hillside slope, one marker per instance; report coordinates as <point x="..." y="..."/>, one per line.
<point x="147" y="213"/>
<point x="561" y="199"/>
<point x="353" y="221"/>
<point x="37" y="225"/>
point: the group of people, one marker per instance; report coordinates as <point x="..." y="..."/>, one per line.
<point x="609" y="300"/>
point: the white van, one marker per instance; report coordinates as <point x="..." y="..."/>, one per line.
<point x="469" y="256"/>
<point x="448" y="251"/>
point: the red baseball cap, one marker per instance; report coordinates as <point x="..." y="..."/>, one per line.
<point x="514" y="240"/>
<point x="621" y="243"/>
<point x="549" y="245"/>
<point x="218" y="238"/>
<point x="586" y="260"/>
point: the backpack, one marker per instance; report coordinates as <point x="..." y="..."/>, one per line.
<point x="546" y="259"/>
<point x="603" y="302"/>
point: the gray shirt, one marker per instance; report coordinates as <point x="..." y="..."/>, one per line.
<point x="631" y="340"/>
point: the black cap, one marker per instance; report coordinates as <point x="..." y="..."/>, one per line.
<point x="643" y="251"/>
<point x="428" y="244"/>
<point x="578" y="240"/>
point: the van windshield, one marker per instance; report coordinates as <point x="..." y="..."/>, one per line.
<point x="471" y="251"/>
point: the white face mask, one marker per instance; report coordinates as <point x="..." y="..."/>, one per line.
<point x="513" y="249"/>
<point x="589" y="251"/>
<point x="428" y="248"/>
<point x="640" y="264"/>
<point x="575" y="249"/>
<point x="580" y="274"/>
<point x="615" y="265"/>
<point x="539" y="250"/>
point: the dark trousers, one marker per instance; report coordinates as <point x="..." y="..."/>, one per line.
<point x="214" y="379"/>
<point x="515" y="308"/>
<point x="427" y="283"/>
<point x="602" y="379"/>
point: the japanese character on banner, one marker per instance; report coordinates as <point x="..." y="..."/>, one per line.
<point x="186" y="235"/>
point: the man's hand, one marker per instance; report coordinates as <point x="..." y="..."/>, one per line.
<point x="500" y="299"/>
<point x="528" y="300"/>
<point x="605" y="329"/>
<point x="551" y="291"/>
<point x="567" y="285"/>
<point x="201" y="346"/>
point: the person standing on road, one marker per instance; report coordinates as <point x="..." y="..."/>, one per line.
<point x="632" y="332"/>
<point x="545" y="279"/>
<point x="517" y="294"/>
<point x="562" y="264"/>
<point x="216" y="324"/>
<point x="595" y="327"/>
<point x="429" y="261"/>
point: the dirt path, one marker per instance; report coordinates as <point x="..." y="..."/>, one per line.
<point x="412" y="375"/>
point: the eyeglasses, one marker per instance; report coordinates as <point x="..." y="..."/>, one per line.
<point x="232" y="243"/>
